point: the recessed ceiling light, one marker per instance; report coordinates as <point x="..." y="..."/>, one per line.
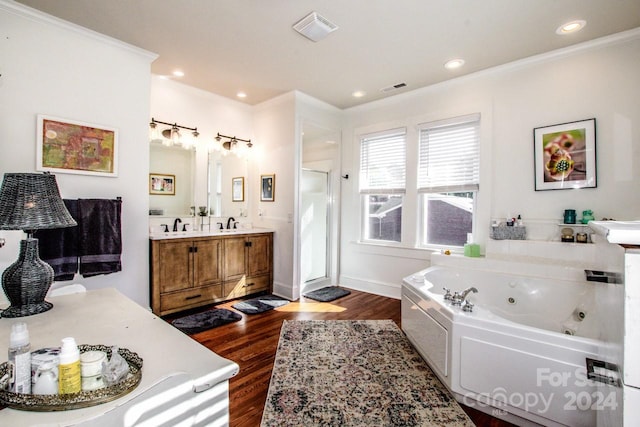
<point x="571" y="27"/>
<point x="359" y="94"/>
<point x="241" y="95"/>
<point x="178" y="73"/>
<point x="454" y="64"/>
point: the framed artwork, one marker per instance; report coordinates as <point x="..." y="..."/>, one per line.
<point x="237" y="189"/>
<point x="267" y="188"/>
<point x="69" y="146"/>
<point x="565" y="155"/>
<point x="162" y="184"/>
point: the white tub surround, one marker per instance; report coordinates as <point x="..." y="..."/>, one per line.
<point x="520" y="354"/>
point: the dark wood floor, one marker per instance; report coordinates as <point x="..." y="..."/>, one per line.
<point x="252" y="343"/>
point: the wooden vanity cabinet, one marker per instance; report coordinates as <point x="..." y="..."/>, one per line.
<point x="248" y="264"/>
<point x="188" y="273"/>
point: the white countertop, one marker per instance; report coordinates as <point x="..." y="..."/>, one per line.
<point x="107" y="317"/>
<point x="208" y="233"/>
<point x="622" y="232"/>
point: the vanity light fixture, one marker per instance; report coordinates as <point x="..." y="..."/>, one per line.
<point x="171" y="136"/>
<point x="571" y="27"/>
<point x="231" y="143"/>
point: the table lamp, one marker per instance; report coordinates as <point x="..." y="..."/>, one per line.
<point x="30" y="202"/>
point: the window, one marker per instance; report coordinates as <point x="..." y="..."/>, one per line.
<point x="382" y="184"/>
<point x="448" y="179"/>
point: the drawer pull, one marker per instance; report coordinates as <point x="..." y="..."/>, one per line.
<point x="249" y="284"/>
<point x="193" y="297"/>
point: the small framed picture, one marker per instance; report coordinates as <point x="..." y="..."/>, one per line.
<point x="267" y="188"/>
<point x="565" y="155"/>
<point x="70" y="146"/>
<point x="237" y="189"/>
<point x="162" y="184"/>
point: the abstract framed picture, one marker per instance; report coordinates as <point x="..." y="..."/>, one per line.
<point x="267" y="188"/>
<point x="237" y="189"/>
<point x="565" y="156"/>
<point x="69" y="146"/>
<point x="162" y="184"/>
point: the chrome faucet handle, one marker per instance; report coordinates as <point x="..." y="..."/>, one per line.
<point x="456" y="299"/>
<point x="467" y="306"/>
<point x="447" y="294"/>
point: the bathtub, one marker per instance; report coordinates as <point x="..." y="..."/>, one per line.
<point x="520" y="355"/>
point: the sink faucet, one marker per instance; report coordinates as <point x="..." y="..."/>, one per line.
<point x="229" y="221"/>
<point x="175" y="224"/>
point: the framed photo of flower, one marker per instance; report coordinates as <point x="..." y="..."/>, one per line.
<point x="267" y="188"/>
<point x="565" y="155"/>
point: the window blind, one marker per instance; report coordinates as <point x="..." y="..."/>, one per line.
<point x="449" y="155"/>
<point x="383" y="162"/>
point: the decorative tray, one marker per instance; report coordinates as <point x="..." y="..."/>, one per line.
<point x="84" y="399"/>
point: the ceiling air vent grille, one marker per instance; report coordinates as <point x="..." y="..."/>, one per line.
<point x="315" y="27"/>
<point x="394" y="87"/>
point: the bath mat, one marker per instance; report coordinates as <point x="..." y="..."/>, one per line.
<point x="205" y="320"/>
<point x="327" y="294"/>
<point x="354" y="373"/>
<point x="260" y="304"/>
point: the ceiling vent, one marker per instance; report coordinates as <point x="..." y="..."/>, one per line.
<point x="394" y="87"/>
<point x="315" y="27"/>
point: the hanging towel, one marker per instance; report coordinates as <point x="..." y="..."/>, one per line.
<point x="59" y="246"/>
<point x="100" y="240"/>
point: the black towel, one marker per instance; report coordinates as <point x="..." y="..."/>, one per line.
<point x="100" y="238"/>
<point x="59" y="246"/>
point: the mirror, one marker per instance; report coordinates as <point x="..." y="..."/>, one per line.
<point x="198" y="182"/>
<point x="225" y="198"/>
<point x="178" y="162"/>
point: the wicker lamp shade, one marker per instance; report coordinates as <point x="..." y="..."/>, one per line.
<point x="30" y="202"/>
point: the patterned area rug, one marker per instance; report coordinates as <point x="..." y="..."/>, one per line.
<point x="327" y="294"/>
<point x="354" y="373"/>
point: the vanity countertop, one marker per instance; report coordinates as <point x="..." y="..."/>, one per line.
<point x="208" y="233"/>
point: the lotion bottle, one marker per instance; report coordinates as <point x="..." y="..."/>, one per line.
<point x="69" y="378"/>
<point x="19" y="359"/>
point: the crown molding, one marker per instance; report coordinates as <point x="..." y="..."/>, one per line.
<point x="35" y="15"/>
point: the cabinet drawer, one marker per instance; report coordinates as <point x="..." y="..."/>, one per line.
<point x="242" y="287"/>
<point x="192" y="297"/>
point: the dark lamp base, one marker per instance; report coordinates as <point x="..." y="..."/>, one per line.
<point x="26" y="282"/>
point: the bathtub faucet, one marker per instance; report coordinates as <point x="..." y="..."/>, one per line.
<point x="460" y="298"/>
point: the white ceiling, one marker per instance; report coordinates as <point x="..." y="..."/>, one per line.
<point x="226" y="46"/>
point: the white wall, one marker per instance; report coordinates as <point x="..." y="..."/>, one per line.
<point x="275" y="135"/>
<point x="51" y="67"/>
<point x="599" y="79"/>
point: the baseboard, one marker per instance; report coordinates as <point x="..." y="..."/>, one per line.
<point x="284" y="290"/>
<point x="390" y="290"/>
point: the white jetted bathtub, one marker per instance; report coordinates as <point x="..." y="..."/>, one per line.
<point x="522" y="349"/>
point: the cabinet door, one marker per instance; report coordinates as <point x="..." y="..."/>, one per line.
<point x="175" y="266"/>
<point x="207" y="262"/>
<point x="259" y="259"/>
<point x="234" y="258"/>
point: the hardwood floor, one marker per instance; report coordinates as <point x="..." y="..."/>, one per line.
<point x="252" y="343"/>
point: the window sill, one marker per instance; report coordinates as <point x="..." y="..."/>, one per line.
<point x="395" y="250"/>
